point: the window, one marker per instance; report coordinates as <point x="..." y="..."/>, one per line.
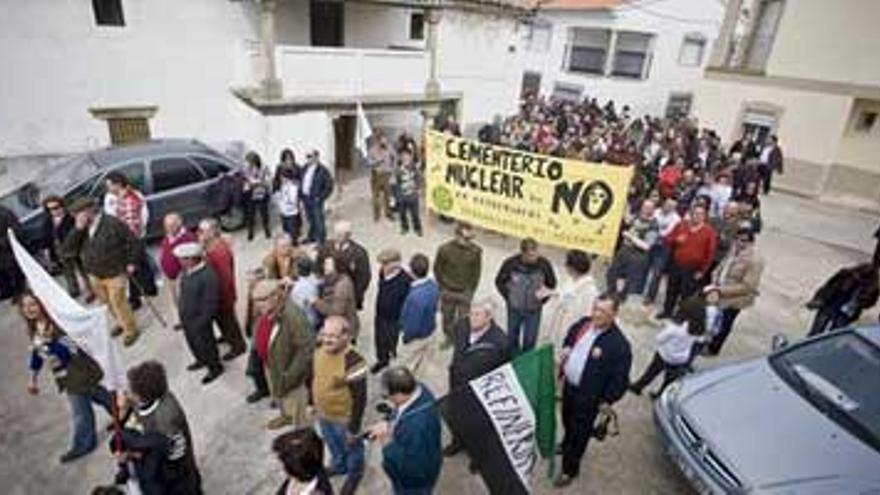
<point x="538" y="35"/>
<point x="83" y="189"/>
<point x="172" y="173"/>
<point x="865" y="121"/>
<point x="587" y="50"/>
<point x="679" y="105"/>
<point x="128" y="130"/>
<point x="108" y="12"/>
<point x="692" y="48"/>
<point x="567" y="92"/>
<point x="417" y="26"/>
<point x="212" y="168"/>
<point x="632" y="55"/>
<point x="531" y="83"/>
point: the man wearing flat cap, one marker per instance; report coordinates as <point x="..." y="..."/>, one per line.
<point x="285" y="343"/>
<point x="394" y="284"/>
<point x="199" y="303"/>
<point x="352" y="255"/>
<point x="109" y="253"/>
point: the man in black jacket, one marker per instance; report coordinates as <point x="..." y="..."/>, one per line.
<point x="394" y="283"/>
<point x="199" y="302"/>
<point x="109" y="253"/>
<point x="523" y="281"/>
<point x="596" y="360"/>
<point x="315" y="188"/>
<point x="771" y="162"/>
<point x="479" y="346"/>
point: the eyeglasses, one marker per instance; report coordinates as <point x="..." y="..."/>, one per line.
<point x="54" y="207"/>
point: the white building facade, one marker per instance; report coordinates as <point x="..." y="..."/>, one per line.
<point x="266" y="74"/>
<point x="808" y="72"/>
<point x="648" y="55"/>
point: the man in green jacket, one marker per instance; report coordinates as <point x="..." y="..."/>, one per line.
<point x="457" y="268"/>
<point x="109" y="253"/>
<point x="285" y="343"/>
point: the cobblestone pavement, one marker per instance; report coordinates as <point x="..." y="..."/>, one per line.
<point x="803" y="243"/>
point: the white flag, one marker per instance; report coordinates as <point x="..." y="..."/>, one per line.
<point x="88" y="327"/>
<point x="364" y="131"/>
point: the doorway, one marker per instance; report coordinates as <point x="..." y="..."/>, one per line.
<point x="531" y="84"/>
<point x="327" y="22"/>
<point x="344" y="129"/>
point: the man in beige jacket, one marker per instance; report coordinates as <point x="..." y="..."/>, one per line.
<point x="736" y="278"/>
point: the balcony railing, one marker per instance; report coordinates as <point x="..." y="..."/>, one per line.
<point x="319" y="71"/>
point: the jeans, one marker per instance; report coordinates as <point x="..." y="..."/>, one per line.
<point x="315" y="216"/>
<point x="658" y="257"/>
<point x="680" y="284"/>
<point x="631" y="267"/>
<point x="728" y="316"/>
<point x="525" y="322"/>
<point x="84" y="436"/>
<point x="251" y="207"/>
<point x="291" y="226"/>
<point x="346" y="458"/>
<point x="408" y="206"/>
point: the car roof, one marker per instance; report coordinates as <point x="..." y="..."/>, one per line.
<point x="115" y="154"/>
<point x="871" y="333"/>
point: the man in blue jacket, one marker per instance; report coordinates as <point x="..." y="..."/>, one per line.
<point x="418" y="318"/>
<point x="411" y="455"/>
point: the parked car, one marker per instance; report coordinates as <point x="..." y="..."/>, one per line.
<point x="804" y="420"/>
<point x="179" y="175"/>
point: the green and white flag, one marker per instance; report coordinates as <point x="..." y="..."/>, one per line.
<point x="506" y="419"/>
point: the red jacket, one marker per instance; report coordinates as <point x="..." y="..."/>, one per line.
<point x="169" y="263"/>
<point x="668" y="180"/>
<point x="697" y="250"/>
<point x="220" y="258"/>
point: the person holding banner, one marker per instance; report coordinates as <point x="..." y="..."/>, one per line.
<point x="522" y="280"/>
<point x="76" y="373"/>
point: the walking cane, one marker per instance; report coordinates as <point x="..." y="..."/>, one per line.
<point x="149" y="302"/>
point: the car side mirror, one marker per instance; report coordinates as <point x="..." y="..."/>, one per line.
<point x="779" y="342"/>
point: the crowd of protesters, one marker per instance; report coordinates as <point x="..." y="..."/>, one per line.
<point x="693" y="216"/>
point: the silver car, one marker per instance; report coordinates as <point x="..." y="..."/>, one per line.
<point x="804" y="420"/>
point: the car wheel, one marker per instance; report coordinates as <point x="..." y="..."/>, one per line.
<point x="232" y="220"/>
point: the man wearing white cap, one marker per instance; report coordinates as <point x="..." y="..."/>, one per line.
<point x="199" y="302"/>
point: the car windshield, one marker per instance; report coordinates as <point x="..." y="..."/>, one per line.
<point x="68" y="173"/>
<point x="838" y="375"/>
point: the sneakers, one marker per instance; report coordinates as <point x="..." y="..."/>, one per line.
<point x="635" y="390"/>
<point x="279" y="422"/>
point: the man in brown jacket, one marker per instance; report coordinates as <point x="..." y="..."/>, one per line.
<point x="285" y="343"/>
<point x="457" y="269"/>
<point x="736" y="278"/>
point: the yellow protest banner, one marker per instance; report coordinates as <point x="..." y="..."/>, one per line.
<point x="566" y="203"/>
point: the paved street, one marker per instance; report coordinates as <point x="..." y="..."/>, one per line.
<point x="802" y="244"/>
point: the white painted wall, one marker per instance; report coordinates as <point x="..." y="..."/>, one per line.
<point x="859" y="148"/>
<point x="292" y="23"/>
<point x="299" y="132"/>
<point x="829" y="41"/>
<point x="378" y="26"/>
<point x="474" y="58"/>
<point x="181" y="56"/>
<point x="669" y="20"/>
<point x="810" y="127"/>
